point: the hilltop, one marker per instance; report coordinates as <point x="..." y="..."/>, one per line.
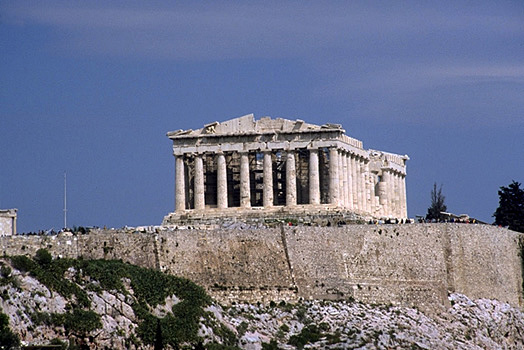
<point x="110" y="304"/>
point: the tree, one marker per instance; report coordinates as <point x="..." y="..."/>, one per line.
<point x="43" y="257"/>
<point x="510" y="212"/>
<point x="437" y="204"/>
<point x="8" y="340"/>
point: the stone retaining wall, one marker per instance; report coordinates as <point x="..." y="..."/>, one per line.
<point x="412" y="264"/>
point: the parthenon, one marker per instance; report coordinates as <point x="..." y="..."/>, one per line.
<point x="245" y="165"/>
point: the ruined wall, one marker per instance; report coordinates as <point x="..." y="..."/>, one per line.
<point x="414" y="264"/>
<point x="139" y="249"/>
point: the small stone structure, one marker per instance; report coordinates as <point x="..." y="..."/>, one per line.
<point x="8" y="222"/>
<point x="244" y="167"/>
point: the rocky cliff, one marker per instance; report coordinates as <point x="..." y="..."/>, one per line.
<point x="105" y="304"/>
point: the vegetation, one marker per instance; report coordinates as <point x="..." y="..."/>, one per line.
<point x="309" y="334"/>
<point x="150" y="288"/>
<point x="437" y="204"/>
<point x="8" y="340"/>
<point x="510" y="212"/>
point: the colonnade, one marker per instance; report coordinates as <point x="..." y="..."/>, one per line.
<point x="345" y="176"/>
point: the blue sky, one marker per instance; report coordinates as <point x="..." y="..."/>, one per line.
<point x="91" y="88"/>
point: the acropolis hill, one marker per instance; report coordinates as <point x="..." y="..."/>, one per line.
<point x="303" y="192"/>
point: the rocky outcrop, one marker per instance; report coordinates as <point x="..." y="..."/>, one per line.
<point x="468" y="324"/>
<point x="32" y="308"/>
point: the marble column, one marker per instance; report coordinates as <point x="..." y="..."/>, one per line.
<point x="361" y="187"/>
<point x="397" y="195"/>
<point x="291" y="179"/>
<point x="333" y="177"/>
<point x="245" y="190"/>
<point x="180" y="184"/>
<point x="372" y="202"/>
<point x="342" y="179"/>
<point x="391" y="194"/>
<point x="354" y="181"/>
<point x="199" y="183"/>
<point x="394" y="192"/>
<point x="221" y="181"/>
<point x="367" y="192"/>
<point x="314" y="177"/>
<point x="268" y="180"/>
<point x="382" y="193"/>
<point x="403" y="197"/>
<point x="349" y="177"/>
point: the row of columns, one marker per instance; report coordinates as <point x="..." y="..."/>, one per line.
<point x="351" y="184"/>
<point x="354" y="184"/>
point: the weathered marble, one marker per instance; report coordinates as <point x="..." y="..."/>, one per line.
<point x="247" y="164"/>
<point x="8" y="222"/>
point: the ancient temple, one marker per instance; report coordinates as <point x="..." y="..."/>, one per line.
<point x="244" y="166"/>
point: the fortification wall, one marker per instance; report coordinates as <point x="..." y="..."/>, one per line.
<point x="414" y="264"/>
<point x="137" y="249"/>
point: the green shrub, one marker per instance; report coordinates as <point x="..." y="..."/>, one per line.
<point x="284" y="328"/>
<point x="7" y="337"/>
<point x="309" y="334"/>
<point x="272" y="345"/>
<point x="5" y="271"/>
<point x="81" y="321"/>
<point x="23" y="263"/>
<point x="43" y="257"/>
<point x="242" y="328"/>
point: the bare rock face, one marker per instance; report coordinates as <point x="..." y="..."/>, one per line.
<point x="467" y="324"/>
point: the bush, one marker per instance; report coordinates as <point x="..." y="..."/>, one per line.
<point x="23" y="263"/>
<point x="81" y="321"/>
<point x="5" y="271"/>
<point x="43" y="257"/>
<point x="242" y="328"/>
<point x="272" y="345"/>
<point x="309" y="334"/>
<point x="7" y="338"/>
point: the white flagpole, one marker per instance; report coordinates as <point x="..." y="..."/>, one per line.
<point x="65" y="200"/>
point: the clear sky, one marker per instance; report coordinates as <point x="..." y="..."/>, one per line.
<point x="91" y="88"/>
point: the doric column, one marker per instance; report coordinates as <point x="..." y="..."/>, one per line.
<point x="361" y="187"/>
<point x="291" y="179"/>
<point x="371" y="182"/>
<point x="403" y="197"/>
<point x="397" y="195"/>
<point x="333" y="176"/>
<point x="314" y="177"/>
<point x="391" y="194"/>
<point x="180" y="184"/>
<point x="394" y="201"/>
<point x="199" y="183"/>
<point x="382" y="193"/>
<point x="221" y="181"/>
<point x="343" y="179"/>
<point x="268" y="180"/>
<point x="367" y="188"/>
<point x="349" y="177"/>
<point x="354" y="181"/>
<point x="245" y="190"/>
